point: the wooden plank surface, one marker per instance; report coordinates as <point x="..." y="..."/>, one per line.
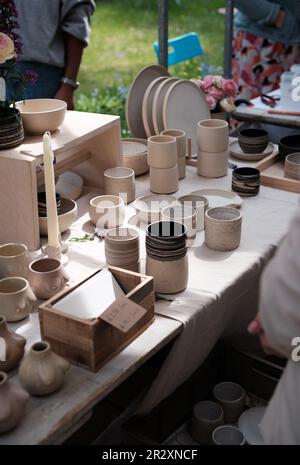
<point x="245" y="113"/>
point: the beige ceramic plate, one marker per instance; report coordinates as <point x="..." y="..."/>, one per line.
<point x="185" y="105"/>
<point x="148" y="104"/>
<point x="220" y="198"/>
<point x="236" y="151"/>
<point x="135" y="97"/>
<point x="158" y="101"/>
<point x="148" y="208"/>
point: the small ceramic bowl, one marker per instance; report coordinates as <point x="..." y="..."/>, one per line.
<point x="231" y="397"/>
<point x="183" y="214"/>
<point x="207" y="416"/>
<point x="42" y="114"/>
<point x="253" y="140"/>
<point x="292" y="166"/>
<point x="289" y="144"/>
<point x="107" y="211"/>
<point x="148" y="208"/>
<point x="228" y="435"/>
<point x="67" y="216"/>
<point x="246" y="181"/>
<point x="223" y="228"/>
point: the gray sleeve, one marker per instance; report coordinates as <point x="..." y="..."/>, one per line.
<point x="280" y="292"/>
<point x="76" y="18"/>
<point x="264" y="13"/>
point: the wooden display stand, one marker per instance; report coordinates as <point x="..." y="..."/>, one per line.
<point x="87" y="143"/>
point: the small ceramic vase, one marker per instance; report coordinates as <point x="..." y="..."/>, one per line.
<point x="12" y="405"/>
<point x="16" y="298"/>
<point x="47" y="277"/>
<point x="42" y="371"/>
<point x="11" y="347"/>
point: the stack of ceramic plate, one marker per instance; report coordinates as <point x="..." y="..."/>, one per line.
<point x="122" y="248"/>
<point x="42" y="205"/>
<point x="156" y="102"/>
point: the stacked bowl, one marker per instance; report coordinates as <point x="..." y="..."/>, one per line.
<point x="162" y="159"/>
<point x="122" y="248"/>
<point x="213" y="141"/>
<point x="166" y="257"/>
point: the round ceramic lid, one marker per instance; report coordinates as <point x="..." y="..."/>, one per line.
<point x="135" y="97"/>
<point x="148" y="105"/>
<point x="185" y="105"/>
<point x="133" y="147"/>
<point x="158" y="101"/>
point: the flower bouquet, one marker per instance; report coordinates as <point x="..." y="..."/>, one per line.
<point x="220" y="93"/>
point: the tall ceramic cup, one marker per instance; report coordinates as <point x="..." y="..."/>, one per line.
<point x="13" y="260"/>
<point x="162" y="151"/>
<point x="16" y="298"/>
<point x="120" y="181"/>
<point x="212" y="135"/>
<point x="47" y="277"/>
<point x="181" y="140"/>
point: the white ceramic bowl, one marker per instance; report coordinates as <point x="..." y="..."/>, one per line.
<point x="42" y="114"/>
<point x="107" y="211"/>
<point x="66" y="217"/>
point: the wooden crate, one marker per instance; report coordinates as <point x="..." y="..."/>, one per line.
<point x="272" y="174"/>
<point x="92" y="343"/>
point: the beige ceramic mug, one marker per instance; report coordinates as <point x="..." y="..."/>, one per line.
<point x="212" y="135"/>
<point x="13" y="260"/>
<point x="107" y="211"/>
<point x="223" y="228"/>
<point x="212" y="165"/>
<point x="47" y="277"/>
<point x="181" y="140"/>
<point x="16" y="298"/>
<point x="162" y="152"/>
<point x="120" y="181"/>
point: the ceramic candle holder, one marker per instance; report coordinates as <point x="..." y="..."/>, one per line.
<point x="162" y="152"/>
<point x="253" y="140"/>
<point x="212" y="164"/>
<point x="16" y="298"/>
<point x="223" y="228"/>
<point x="212" y="135"/>
<point x="122" y="248"/>
<point x="13" y="260"/>
<point x="207" y="416"/>
<point x="228" y="435"/>
<point x="292" y="166"/>
<point x="183" y="214"/>
<point x="246" y="181"/>
<point x="164" y="181"/>
<point x="181" y="140"/>
<point x="107" y="211"/>
<point x="120" y="182"/>
<point x="47" y="277"/>
<point x="231" y="397"/>
<point x="200" y="205"/>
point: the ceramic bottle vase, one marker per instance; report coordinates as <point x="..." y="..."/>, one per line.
<point x="11" y="347"/>
<point x="12" y="405"/>
<point x="42" y="371"/>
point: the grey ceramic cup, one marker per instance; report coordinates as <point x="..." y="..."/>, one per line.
<point x="47" y="277"/>
<point x="231" y="397"/>
<point x="207" y="416"/>
<point x="228" y="435"/>
<point x="223" y="228"/>
<point x="13" y="260"/>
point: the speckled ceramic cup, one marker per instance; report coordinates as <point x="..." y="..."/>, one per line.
<point x="223" y="228"/>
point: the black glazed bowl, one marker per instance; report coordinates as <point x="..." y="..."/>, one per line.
<point x="246" y="181"/>
<point x="253" y="140"/>
<point x="289" y="144"/>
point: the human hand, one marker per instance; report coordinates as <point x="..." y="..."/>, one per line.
<point x="66" y="93"/>
<point x="255" y="328"/>
<point x="280" y="19"/>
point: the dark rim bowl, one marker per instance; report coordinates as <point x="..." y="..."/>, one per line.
<point x="166" y="230"/>
<point x="246" y="173"/>
<point x="289" y="144"/>
<point x="253" y="133"/>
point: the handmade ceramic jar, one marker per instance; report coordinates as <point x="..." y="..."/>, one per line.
<point x="199" y="204"/>
<point x="42" y="371"/>
<point x="122" y="248"/>
<point x="212" y="164"/>
<point x="16" y="298"/>
<point x="120" y="182"/>
<point x="223" y="228"/>
<point x="164" y="181"/>
<point x="11" y="347"/>
<point x="212" y="136"/>
<point x="12" y="405"/>
<point x="231" y="397"/>
<point x="107" y="211"/>
<point x="292" y="166"/>
<point x="47" y="277"/>
<point x="13" y="260"/>
<point x="253" y="140"/>
<point x="162" y="152"/>
<point x="246" y="181"/>
<point x="228" y="435"/>
<point x="207" y="416"/>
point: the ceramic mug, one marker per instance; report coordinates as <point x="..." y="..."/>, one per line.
<point x="107" y="211"/>
<point x="47" y="277"/>
<point x="181" y="140"/>
<point x="207" y="416"/>
<point x="164" y="181"/>
<point x="162" y="151"/>
<point x="228" y="435"/>
<point x="246" y="181"/>
<point x="13" y="260"/>
<point x="223" y="228"/>
<point x="16" y="298"/>
<point x="292" y="166"/>
<point x="120" y="182"/>
<point x="212" y="165"/>
<point x="199" y="203"/>
<point x="212" y="135"/>
<point x="170" y="277"/>
<point x="231" y="397"/>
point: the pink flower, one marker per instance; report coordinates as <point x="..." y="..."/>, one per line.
<point x="216" y="94"/>
<point x="207" y="83"/>
<point x="218" y="82"/>
<point x="212" y="103"/>
<point x="230" y="88"/>
<point x="7" y="48"/>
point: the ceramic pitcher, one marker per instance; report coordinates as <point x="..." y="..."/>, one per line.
<point x="13" y="260"/>
<point x="12" y="405"/>
<point x="11" y="347"/>
<point x="16" y="298"/>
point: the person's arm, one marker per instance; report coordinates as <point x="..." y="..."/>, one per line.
<point x="263" y="12"/>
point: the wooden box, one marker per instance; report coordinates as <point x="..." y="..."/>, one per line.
<point x="92" y="343"/>
<point x="272" y="174"/>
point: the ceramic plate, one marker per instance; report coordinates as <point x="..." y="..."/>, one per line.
<point x="152" y="204"/>
<point x="249" y="423"/>
<point x="148" y="105"/>
<point x="135" y="97"/>
<point x="158" y="101"/>
<point x="185" y="105"/>
<point x="220" y="198"/>
<point x="236" y="151"/>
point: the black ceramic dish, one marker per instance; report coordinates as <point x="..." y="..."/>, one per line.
<point x="246" y="181"/>
<point x="253" y="140"/>
<point x="289" y="144"/>
<point x="11" y="128"/>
